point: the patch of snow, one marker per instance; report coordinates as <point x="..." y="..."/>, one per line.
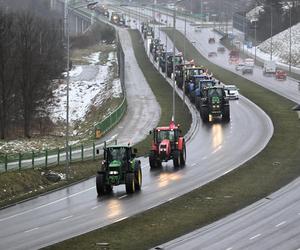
<point x="117" y="88"/>
<point x="281" y="45"/>
<point x="94" y="58"/>
<point x="75" y="71"/>
<point x="81" y="94"/>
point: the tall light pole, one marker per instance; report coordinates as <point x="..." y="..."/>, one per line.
<point x="66" y="18"/>
<point x="290" y="48"/>
<point x="271" y="33"/>
<point x="173" y="76"/>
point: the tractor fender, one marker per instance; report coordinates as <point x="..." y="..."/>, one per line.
<point x="181" y="143"/>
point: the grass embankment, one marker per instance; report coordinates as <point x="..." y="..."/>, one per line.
<point x="28" y="183"/>
<point x="162" y="91"/>
<point x="277" y="165"/>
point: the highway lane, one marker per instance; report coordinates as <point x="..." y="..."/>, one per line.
<point x="271" y="223"/>
<point x="75" y="210"/>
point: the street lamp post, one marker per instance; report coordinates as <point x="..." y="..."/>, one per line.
<point x="271" y="32"/>
<point x="173" y="76"/>
<point x="290" y="47"/>
<point x="66" y="17"/>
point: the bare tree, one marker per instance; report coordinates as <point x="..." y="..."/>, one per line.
<point x="40" y="58"/>
<point x="7" y="70"/>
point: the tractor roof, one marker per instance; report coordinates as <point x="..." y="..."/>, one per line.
<point x="172" y="126"/>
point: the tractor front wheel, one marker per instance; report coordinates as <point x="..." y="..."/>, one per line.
<point x="183" y="156"/>
<point x="176" y="159"/>
<point x="153" y="161"/>
<point x="100" y="184"/>
<point x="129" y="183"/>
<point x="138" y="178"/>
<point x="226" y="114"/>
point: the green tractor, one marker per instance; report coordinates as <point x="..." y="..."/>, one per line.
<point x="214" y="104"/>
<point x="119" y="167"/>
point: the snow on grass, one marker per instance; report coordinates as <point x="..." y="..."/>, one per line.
<point x="94" y="58"/>
<point x="80" y="95"/>
<point x="281" y="46"/>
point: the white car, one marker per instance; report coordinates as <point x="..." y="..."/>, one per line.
<point x="239" y="66"/>
<point x="232" y="92"/>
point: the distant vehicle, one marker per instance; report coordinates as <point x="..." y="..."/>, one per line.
<point x="211" y="40"/>
<point x="212" y="54"/>
<point x="247" y="70"/>
<point x="197" y="29"/>
<point x="234" y="57"/>
<point x="240" y="66"/>
<point x="280" y="75"/>
<point x="221" y="49"/>
<point x="249" y="62"/>
<point x="232" y="92"/>
<point x="101" y="10"/>
<point x="269" y="68"/>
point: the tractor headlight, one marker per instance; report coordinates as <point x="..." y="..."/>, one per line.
<point x="113" y="172"/>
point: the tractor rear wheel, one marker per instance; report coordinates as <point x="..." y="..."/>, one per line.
<point x="176" y="159"/>
<point x="183" y="156"/>
<point x="100" y="184"/>
<point x="138" y="178"/>
<point x="205" y="115"/>
<point x="129" y="183"/>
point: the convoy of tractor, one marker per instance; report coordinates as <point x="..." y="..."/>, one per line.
<point x="210" y="97"/>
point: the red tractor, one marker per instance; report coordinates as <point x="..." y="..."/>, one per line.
<point x="168" y="144"/>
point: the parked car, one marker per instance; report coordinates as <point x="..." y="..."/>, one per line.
<point x="232" y="92"/>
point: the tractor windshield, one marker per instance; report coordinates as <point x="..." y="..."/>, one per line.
<point x="165" y="134"/>
<point x="116" y="154"/>
<point x="213" y="93"/>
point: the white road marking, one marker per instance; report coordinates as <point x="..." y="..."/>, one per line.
<point x="194" y="164"/>
<point x="171" y="199"/>
<point x="254" y="237"/>
<point x="230" y="248"/>
<point x="95" y="207"/>
<point x="68" y="217"/>
<point x="46" y="205"/>
<point x="122" y="197"/>
<point x="123" y="218"/>
<point x="280" y="224"/>
<point x="30" y="230"/>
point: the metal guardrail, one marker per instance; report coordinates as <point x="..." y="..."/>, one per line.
<point x="79" y="152"/>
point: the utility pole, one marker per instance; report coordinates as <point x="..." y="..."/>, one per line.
<point x="67" y="35"/>
<point x="173" y="76"/>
